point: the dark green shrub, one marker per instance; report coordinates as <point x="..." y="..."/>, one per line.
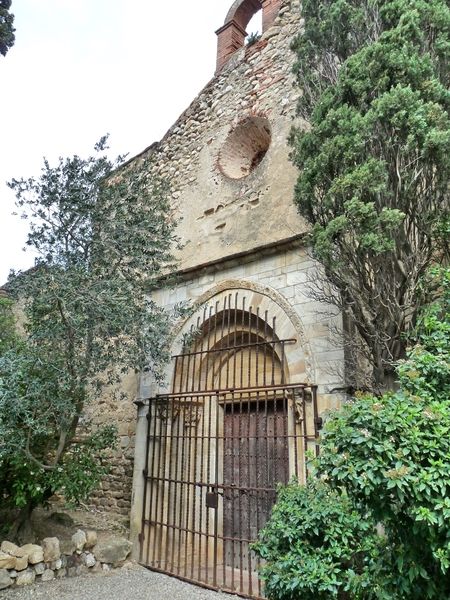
<point x="385" y="462"/>
<point x="316" y="546"/>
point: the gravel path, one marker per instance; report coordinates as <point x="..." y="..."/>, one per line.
<point x="122" y="584"/>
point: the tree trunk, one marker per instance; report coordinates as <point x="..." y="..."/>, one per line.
<point x="15" y="532"/>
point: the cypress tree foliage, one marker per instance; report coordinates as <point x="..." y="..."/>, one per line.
<point x="6" y="27"/>
<point x="374" y="163"/>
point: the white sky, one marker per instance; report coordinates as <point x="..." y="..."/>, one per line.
<point x="83" y="68"/>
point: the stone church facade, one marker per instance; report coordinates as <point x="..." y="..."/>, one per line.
<point x="255" y="364"/>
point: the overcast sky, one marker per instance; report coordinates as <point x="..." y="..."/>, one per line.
<point x="83" y="68"/>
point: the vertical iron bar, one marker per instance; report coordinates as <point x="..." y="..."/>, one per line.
<point x="182" y="487"/>
<point x="162" y="532"/>
<point x="146" y="484"/>
<point x="249" y="493"/>
<point x="216" y="488"/>
<point x="257" y="475"/>
<point x="305" y="433"/>
<point x="242" y="351"/>
<point x="152" y="409"/>
<point x="249" y="367"/>
<point x="176" y="486"/>
<point x="193" y="348"/>
<point x="282" y="378"/>
<point x="257" y="348"/>
<point x="235" y="337"/>
<point x="273" y="352"/>
<point x="175" y="373"/>
<point x="188" y="484"/>
<point x="201" y="500"/>
<point x="265" y="348"/>
<point x="158" y="484"/>
<point x="208" y="480"/>
<point x="286" y="435"/>
<point x="194" y="488"/>
<point x="221" y="338"/>
<point x="241" y="570"/>
<point x="227" y="383"/>
<point x="316" y="417"/>
<point x="180" y="388"/>
<point x="208" y="347"/>
<point x="295" y="426"/>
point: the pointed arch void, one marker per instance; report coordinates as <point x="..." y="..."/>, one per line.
<point x="231" y="36"/>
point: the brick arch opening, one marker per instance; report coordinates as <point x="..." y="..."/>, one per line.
<point x="242" y="11"/>
<point x="231" y="36"/>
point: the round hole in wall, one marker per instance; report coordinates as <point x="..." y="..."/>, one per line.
<point x="245" y="147"/>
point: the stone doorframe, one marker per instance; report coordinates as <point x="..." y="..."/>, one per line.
<point x="299" y="361"/>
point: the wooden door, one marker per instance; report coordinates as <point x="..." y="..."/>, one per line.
<point x="255" y="460"/>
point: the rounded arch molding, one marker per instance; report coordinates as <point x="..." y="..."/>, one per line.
<point x="242" y="11"/>
<point x="300" y="357"/>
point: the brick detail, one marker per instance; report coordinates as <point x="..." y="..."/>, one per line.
<point x="270" y="10"/>
<point x="231" y="36"/>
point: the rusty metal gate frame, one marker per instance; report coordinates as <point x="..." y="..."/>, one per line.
<point x="199" y="472"/>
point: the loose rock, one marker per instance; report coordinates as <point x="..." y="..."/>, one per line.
<point x="26" y="577"/>
<point x="91" y="539"/>
<point x="48" y="575"/>
<point x="7" y="561"/>
<point x="5" y="579"/>
<point x="113" y="551"/>
<point x="51" y="549"/>
<point x="34" y="552"/>
<point x="56" y="564"/>
<point x="9" y="547"/>
<point x="39" y="568"/>
<point x="89" y="559"/>
<point x="21" y="563"/>
<point x="79" y="540"/>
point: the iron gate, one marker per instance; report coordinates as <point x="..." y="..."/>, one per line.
<point x="218" y="444"/>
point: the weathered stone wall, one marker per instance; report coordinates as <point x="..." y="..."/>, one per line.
<point x="231" y="183"/>
<point x="219" y="215"/>
<point x="114" y="494"/>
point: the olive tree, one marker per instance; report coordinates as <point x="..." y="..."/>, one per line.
<point x="102" y="233"/>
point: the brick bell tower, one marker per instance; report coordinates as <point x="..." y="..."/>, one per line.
<point x="231" y="36"/>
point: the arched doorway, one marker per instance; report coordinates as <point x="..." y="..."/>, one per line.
<point x="232" y="427"/>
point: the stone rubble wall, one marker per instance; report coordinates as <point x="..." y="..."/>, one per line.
<point x="114" y="493"/>
<point x="219" y="216"/>
<point x="54" y="559"/>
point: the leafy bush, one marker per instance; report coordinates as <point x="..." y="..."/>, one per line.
<point x="316" y="546"/>
<point x="384" y="463"/>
